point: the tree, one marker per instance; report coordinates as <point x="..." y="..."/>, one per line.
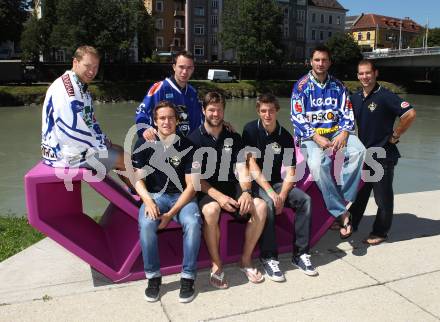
<point x="433" y="38"/>
<point x="345" y="55"/>
<point x="252" y="28"/>
<point x="13" y="14"/>
<point x="31" y="40"/>
<point x="345" y="51"/>
<point x="110" y="25"/>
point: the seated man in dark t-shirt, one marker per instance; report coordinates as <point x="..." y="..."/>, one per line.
<point x="277" y="149"/>
<point x="221" y="190"/>
<point x="165" y="187"/>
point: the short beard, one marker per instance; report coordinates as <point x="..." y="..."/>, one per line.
<point x="213" y="125"/>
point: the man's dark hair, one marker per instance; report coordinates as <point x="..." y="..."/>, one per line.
<point x="267" y="98"/>
<point x="163" y="104"/>
<point x="368" y="62"/>
<point x="213" y="98"/>
<point x="184" y="53"/>
<point x="321" y="48"/>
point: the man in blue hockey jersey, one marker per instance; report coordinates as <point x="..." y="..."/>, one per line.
<point x="323" y="119"/>
<point x="176" y="90"/>
<point x="71" y="135"/>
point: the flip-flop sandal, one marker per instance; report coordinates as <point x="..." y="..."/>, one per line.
<point x="218" y="280"/>
<point x="252" y="274"/>
<point x="374" y="240"/>
<point x="346" y="226"/>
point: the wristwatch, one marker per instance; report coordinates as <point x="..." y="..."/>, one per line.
<point x="249" y="191"/>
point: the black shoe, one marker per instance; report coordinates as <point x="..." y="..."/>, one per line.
<point x="153" y="289"/>
<point x="186" y="294"/>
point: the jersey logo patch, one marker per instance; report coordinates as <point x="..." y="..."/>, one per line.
<point x="404" y="104"/>
<point x="153" y="90"/>
<point x="68" y="85"/>
<point x="372" y="106"/>
<point x="302" y="83"/>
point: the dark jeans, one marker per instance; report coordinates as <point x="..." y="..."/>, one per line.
<point x="384" y="197"/>
<point x="302" y="203"/>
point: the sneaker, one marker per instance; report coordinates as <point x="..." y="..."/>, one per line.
<point x="152" y="291"/>
<point x="186" y="294"/>
<point x="272" y="270"/>
<point x="303" y="263"/>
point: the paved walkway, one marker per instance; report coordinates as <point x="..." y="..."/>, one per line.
<point x="396" y="281"/>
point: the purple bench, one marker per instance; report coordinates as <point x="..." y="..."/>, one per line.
<point x="112" y="246"/>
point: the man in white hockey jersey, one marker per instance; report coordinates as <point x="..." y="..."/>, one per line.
<point x="71" y="135"/>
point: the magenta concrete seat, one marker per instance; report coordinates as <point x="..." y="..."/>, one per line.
<point x="112" y="246"/>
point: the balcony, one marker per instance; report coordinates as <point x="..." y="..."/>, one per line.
<point x="179" y="13"/>
<point x="179" y="30"/>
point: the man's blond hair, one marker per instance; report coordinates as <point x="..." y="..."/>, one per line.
<point x="81" y="51"/>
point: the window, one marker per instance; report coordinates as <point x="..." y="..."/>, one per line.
<point x="286" y="13"/>
<point x="301" y="2"/>
<point x="322" y="18"/>
<point x="199" y="50"/>
<point x="159" y="6"/>
<point x="313" y="34"/>
<point x="321" y="35"/>
<point x="199" y="29"/>
<point x="330" y="34"/>
<point x="199" y="11"/>
<point x="313" y="17"/>
<point x="159" y="23"/>
<point x="338" y="20"/>
<point x="359" y="36"/>
<point x="301" y="14"/>
<point x="214" y="4"/>
<point x="330" y="19"/>
<point x="159" y="42"/>
<point x="368" y="36"/>
<point x="299" y="33"/>
<point x="214" y="39"/>
<point x="60" y="56"/>
<point x="214" y="20"/>
<point x="178" y="23"/>
<point x="286" y="31"/>
<point x="176" y="42"/>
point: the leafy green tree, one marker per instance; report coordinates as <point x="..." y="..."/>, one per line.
<point x="31" y="39"/>
<point x="13" y="13"/>
<point x="110" y="25"/>
<point x="433" y="38"/>
<point x="252" y="28"/>
<point x="345" y="51"/>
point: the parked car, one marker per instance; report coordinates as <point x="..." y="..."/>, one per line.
<point x="220" y="75"/>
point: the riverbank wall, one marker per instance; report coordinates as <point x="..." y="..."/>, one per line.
<point x="19" y="95"/>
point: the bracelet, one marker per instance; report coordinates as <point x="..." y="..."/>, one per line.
<point x="270" y="190"/>
<point x="249" y="191"/>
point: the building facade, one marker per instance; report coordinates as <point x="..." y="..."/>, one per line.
<point x="169" y="24"/>
<point x="324" y="19"/>
<point x="294" y="28"/>
<point x="372" y="31"/>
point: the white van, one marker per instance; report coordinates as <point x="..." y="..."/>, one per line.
<point x="220" y="75"/>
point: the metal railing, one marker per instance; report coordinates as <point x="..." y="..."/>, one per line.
<point x="386" y="53"/>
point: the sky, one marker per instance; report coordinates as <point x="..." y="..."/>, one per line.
<point x="419" y="11"/>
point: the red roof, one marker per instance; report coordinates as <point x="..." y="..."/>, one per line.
<point x="371" y="21"/>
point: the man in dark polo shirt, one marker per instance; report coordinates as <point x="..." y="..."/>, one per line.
<point x="376" y="110"/>
<point x="277" y="148"/>
<point x="163" y="170"/>
<point x="218" y="152"/>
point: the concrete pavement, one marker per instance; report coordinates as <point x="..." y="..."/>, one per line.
<point x="396" y="281"/>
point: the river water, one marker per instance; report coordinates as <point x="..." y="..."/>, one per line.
<point x="418" y="169"/>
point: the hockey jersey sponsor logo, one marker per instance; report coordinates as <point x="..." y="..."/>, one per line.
<point x="326" y="116"/>
<point x="298" y="107"/>
<point x="68" y="85"/>
<point x="48" y="153"/>
<point x="328" y="101"/>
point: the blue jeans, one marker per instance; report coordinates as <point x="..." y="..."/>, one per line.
<point x="320" y="163"/>
<point x="190" y="220"/>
